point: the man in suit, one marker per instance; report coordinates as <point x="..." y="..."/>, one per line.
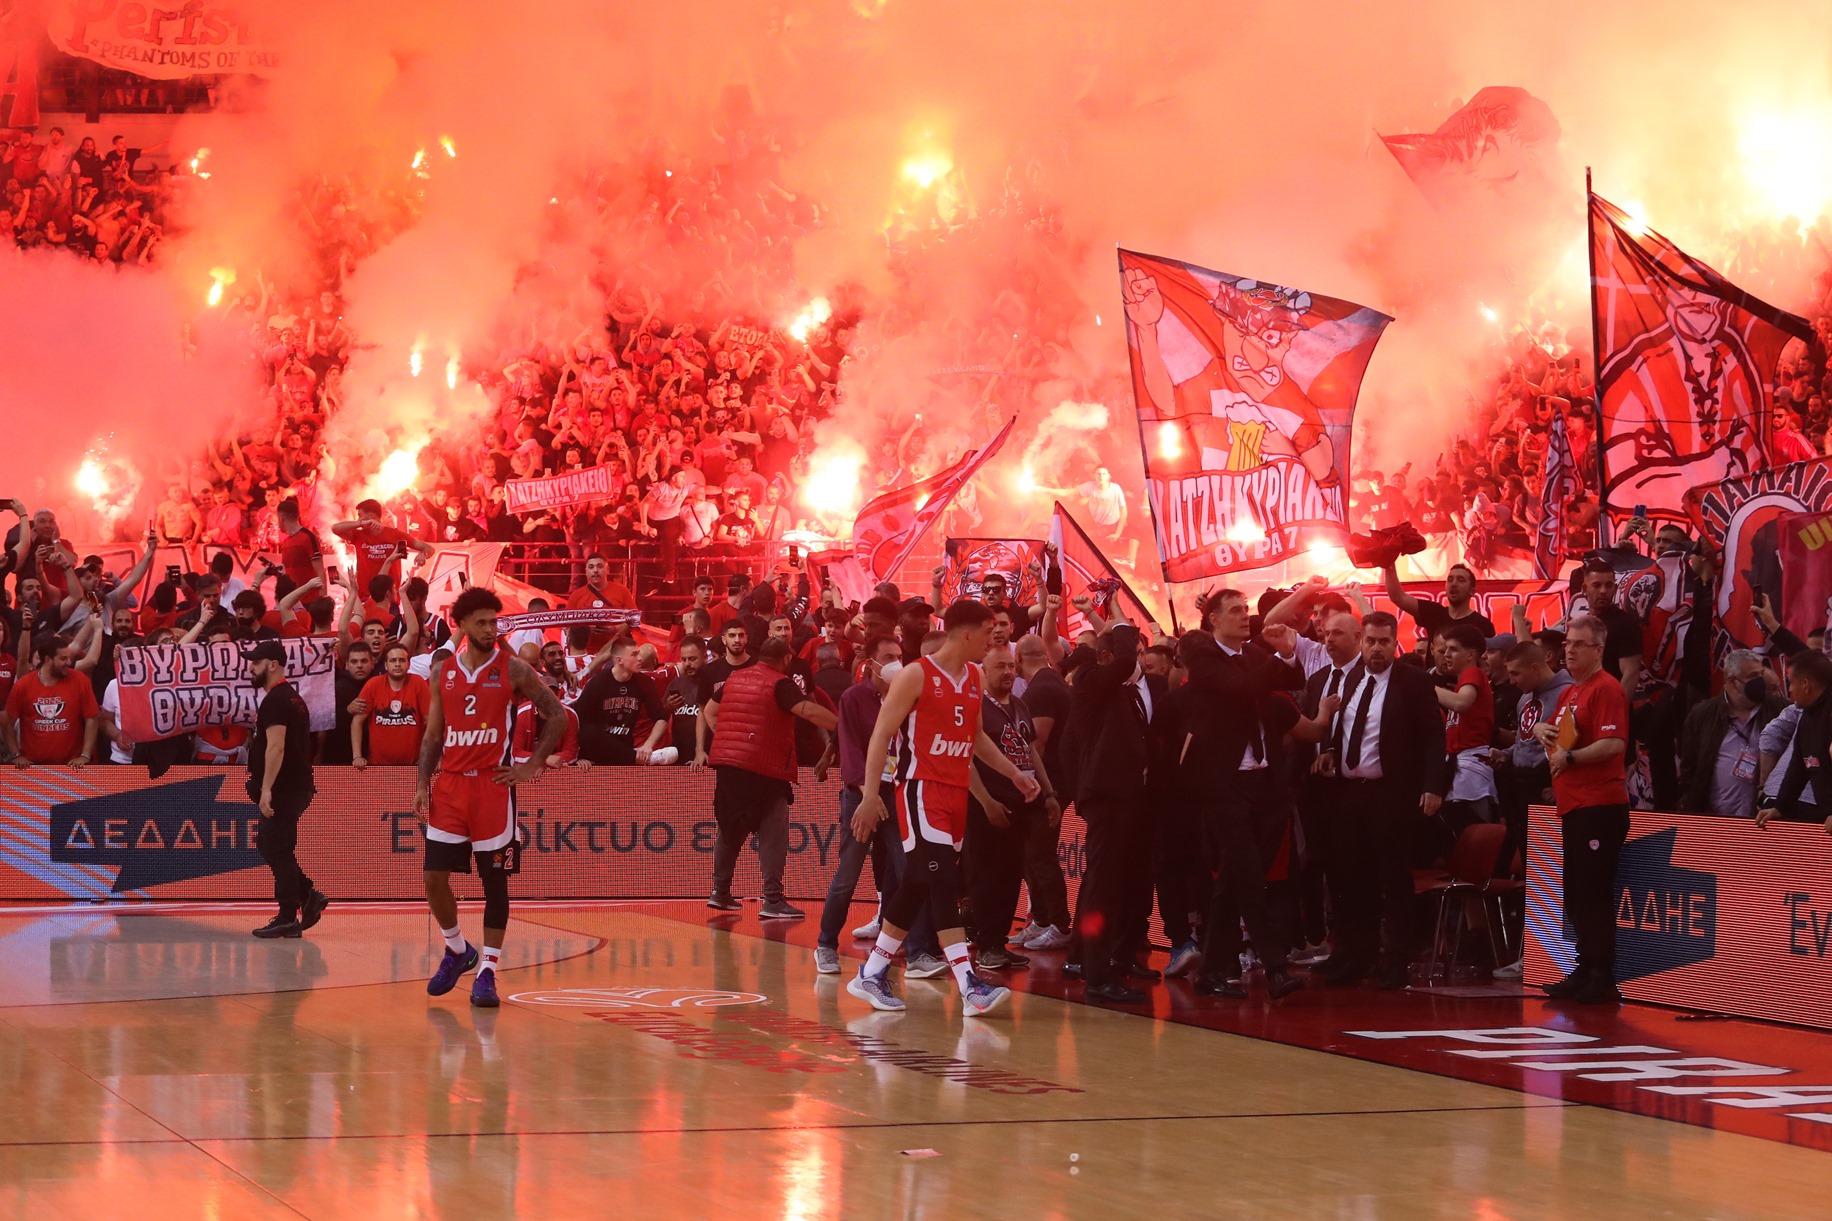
<point x="1236" y="733"/>
<point x="1388" y="749"/>
<point x="1319" y="795"/>
<point x="1115" y="744"/>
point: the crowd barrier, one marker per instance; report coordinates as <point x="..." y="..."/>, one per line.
<point x="1711" y="914"/>
<point x="608" y="833"/>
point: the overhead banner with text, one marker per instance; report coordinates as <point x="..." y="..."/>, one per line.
<point x="164" y="42"/>
<point x="170" y="689"/>
<point x="1246" y="399"/>
<point x="562" y="491"/>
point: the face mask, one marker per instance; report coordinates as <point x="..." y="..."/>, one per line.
<point x="1756" y="689"/>
<point x="889" y="670"/>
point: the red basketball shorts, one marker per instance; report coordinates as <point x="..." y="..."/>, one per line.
<point x="471" y="807"/>
<point x="933" y="811"/>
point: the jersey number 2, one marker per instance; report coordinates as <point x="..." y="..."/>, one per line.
<point x="470" y="705"/>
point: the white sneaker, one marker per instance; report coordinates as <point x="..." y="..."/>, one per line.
<point x="926" y="966"/>
<point x="1022" y="937"/>
<point x="1509" y="973"/>
<point x="1183" y="959"/>
<point x="869" y="932"/>
<point x="826" y="961"/>
<point x="1050" y="938"/>
<point x="1249" y="963"/>
<point x="1310" y="955"/>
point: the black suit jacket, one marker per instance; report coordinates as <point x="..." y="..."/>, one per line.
<point x="1309" y="702"/>
<point x="1114" y="754"/>
<point x="1233" y="700"/>
<point x="1411" y="732"/>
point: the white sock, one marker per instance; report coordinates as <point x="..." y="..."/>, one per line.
<point x="491" y="954"/>
<point x="960" y="958"/>
<point x="879" y="960"/>
<point x="454" y="939"/>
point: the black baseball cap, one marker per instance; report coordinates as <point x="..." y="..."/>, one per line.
<point x="265" y="650"/>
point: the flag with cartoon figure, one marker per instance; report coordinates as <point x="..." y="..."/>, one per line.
<point x="1684" y="369"/>
<point x="1246" y="397"/>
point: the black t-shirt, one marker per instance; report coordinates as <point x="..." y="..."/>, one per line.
<point x="1009" y="726"/>
<point x="1433" y="615"/>
<point x="714" y="673"/>
<point x="683" y="722"/>
<point x="609" y="710"/>
<point x="1623" y="640"/>
<point x="1048" y="696"/>
<point x="283" y="706"/>
<point x="337" y="744"/>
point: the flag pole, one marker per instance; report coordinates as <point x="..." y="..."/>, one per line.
<point x="1596" y="355"/>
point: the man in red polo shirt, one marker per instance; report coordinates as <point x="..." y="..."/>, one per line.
<point x="1586" y="741"/>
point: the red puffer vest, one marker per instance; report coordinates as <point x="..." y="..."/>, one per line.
<point x="753" y="733"/>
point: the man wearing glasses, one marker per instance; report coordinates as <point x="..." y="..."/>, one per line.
<point x="1586" y="741"/>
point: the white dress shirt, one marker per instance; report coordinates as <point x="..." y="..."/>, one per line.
<point x="1367" y="766"/>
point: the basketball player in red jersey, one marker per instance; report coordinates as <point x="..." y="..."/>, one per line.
<point x="466" y="799"/>
<point x="933" y="709"/>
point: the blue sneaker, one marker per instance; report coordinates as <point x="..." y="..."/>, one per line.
<point x="483" y="990"/>
<point x="981" y="997"/>
<point x="1184" y="959"/>
<point x="874" y="990"/>
<point x="450" y="968"/>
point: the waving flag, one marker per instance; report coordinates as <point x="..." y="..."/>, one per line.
<point x="1502" y="143"/>
<point x="1684" y="369"/>
<point x="889" y="527"/>
<point x="1246" y="396"/>
<point x="1562" y="482"/>
<point x="970" y="560"/>
<point x="1087" y="572"/>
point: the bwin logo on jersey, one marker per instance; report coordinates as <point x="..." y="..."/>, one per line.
<point x="950" y="750"/>
<point x="471" y="737"/>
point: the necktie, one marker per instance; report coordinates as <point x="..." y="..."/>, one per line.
<point x="1335" y="685"/>
<point x="1138" y="702"/>
<point x="1353" y="758"/>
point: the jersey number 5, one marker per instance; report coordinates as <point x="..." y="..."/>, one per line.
<point x="960" y="718"/>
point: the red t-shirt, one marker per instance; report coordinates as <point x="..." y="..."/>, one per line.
<point x="523" y="749"/>
<point x="8" y="661"/>
<point x="1465" y="730"/>
<point x="54" y="576"/>
<point x="1601" y="711"/>
<point x="298" y="550"/>
<point x="375" y="554"/>
<point x="50" y="715"/>
<point x="397" y="719"/>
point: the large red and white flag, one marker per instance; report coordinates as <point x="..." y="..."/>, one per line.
<point x="1684" y="369"/>
<point x="1086" y="572"/>
<point x="1246" y="398"/>
<point x="889" y="527"/>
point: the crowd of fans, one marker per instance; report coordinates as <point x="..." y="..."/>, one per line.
<point x="1716" y="738"/>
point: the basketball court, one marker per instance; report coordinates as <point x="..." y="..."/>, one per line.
<point x="651" y="1061"/>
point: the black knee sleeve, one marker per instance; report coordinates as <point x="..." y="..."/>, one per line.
<point x="495" y="894"/>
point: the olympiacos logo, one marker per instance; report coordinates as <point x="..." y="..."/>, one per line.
<point x="638" y="998"/>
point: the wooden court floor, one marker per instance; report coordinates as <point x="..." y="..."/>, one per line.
<point x="161" y="1063"/>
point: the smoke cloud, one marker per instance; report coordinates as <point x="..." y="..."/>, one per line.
<point x="1242" y="138"/>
